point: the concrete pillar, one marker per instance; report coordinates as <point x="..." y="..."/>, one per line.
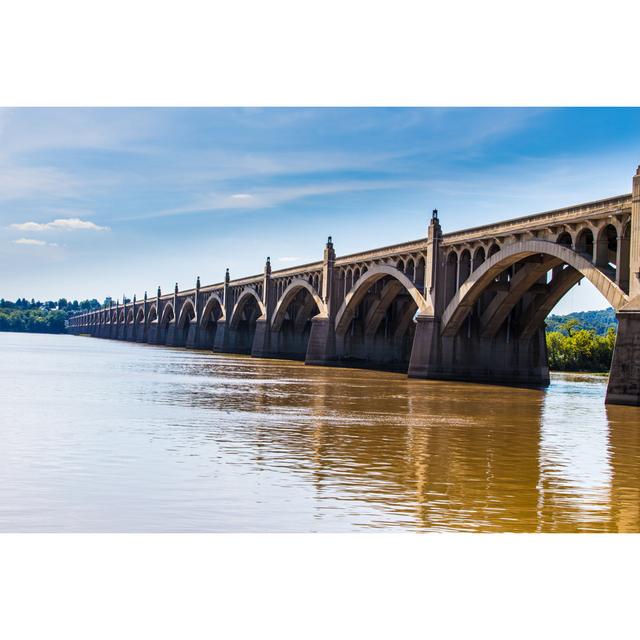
<point x="600" y="248"/>
<point x="116" y="328"/>
<point x="624" y="377"/>
<point x="141" y="335"/>
<point x="132" y="328"/>
<point x="434" y="267"/>
<point x="322" y="339"/>
<point x="194" y="325"/>
<point x="622" y="264"/>
<point x="122" y="332"/>
<point x="222" y="330"/>
<point x="634" y="259"/>
<point x="170" y="337"/>
<point x="109" y="329"/>
<point x="153" y="328"/>
<point x="425" y="351"/>
<point x="261" y="338"/>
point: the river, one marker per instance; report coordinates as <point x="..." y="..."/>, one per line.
<point x="106" y="436"/>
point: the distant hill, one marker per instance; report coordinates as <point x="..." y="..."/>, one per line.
<point x="598" y="321"/>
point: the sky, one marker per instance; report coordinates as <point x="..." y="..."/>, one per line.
<point x="106" y="202"/>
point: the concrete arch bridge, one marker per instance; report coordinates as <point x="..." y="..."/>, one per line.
<point x="468" y="305"/>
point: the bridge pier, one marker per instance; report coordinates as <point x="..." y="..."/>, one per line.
<point x="260" y="347"/>
<point x="288" y="344"/>
<point x="624" y="377"/>
<point x="153" y="331"/>
<point x="233" y="340"/>
<point x="220" y="337"/>
<point x="170" y="334"/>
<point x="503" y="359"/>
<point x="321" y="348"/>
<point x="192" y="336"/>
<point x="425" y="353"/>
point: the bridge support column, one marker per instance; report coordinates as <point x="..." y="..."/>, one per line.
<point x="425" y="352"/>
<point x="153" y="333"/>
<point x="221" y="337"/>
<point x="192" y="336"/>
<point x="624" y="377"/>
<point x="170" y="338"/>
<point x="261" y="346"/>
<point x="321" y="349"/>
<point x="261" y="339"/>
<point x="471" y="358"/>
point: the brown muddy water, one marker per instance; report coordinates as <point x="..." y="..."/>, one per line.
<point x="103" y="436"/>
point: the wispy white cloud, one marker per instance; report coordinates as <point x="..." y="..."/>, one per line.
<point x="34" y="242"/>
<point x="23" y="182"/>
<point x="24" y="131"/>
<point x="230" y="164"/>
<point x="270" y="197"/>
<point x="66" y="224"/>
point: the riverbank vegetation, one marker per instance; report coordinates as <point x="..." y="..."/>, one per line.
<point x="33" y="316"/>
<point x="581" y="341"/>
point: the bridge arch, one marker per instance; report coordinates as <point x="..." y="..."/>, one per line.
<point x="167" y="315"/>
<point x="187" y="313"/>
<point x="247" y="310"/>
<point x="565" y="238"/>
<point x="296" y="286"/>
<point x="374" y="325"/>
<point x="246" y="297"/>
<point x="479" y="256"/>
<point x="152" y="314"/>
<point x="185" y="318"/>
<point x="215" y="306"/>
<point x="585" y="242"/>
<point x="362" y="285"/>
<point x="212" y="313"/>
<point x="291" y="324"/>
<point x="463" y="301"/>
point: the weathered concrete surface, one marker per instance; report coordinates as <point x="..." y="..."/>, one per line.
<point x="624" y="378"/>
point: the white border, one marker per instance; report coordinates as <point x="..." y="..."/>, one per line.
<point x="318" y="586"/>
<point x="335" y="52"/>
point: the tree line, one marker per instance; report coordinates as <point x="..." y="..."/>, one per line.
<point x="581" y="341"/>
<point x="34" y="316"/>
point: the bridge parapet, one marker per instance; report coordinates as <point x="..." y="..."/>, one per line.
<point x="618" y="207"/>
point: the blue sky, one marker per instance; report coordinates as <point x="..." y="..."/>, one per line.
<point x="97" y="202"/>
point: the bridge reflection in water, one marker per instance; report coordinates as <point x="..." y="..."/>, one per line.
<point x="381" y="450"/>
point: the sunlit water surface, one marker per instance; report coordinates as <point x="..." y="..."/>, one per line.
<point x="98" y="435"/>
